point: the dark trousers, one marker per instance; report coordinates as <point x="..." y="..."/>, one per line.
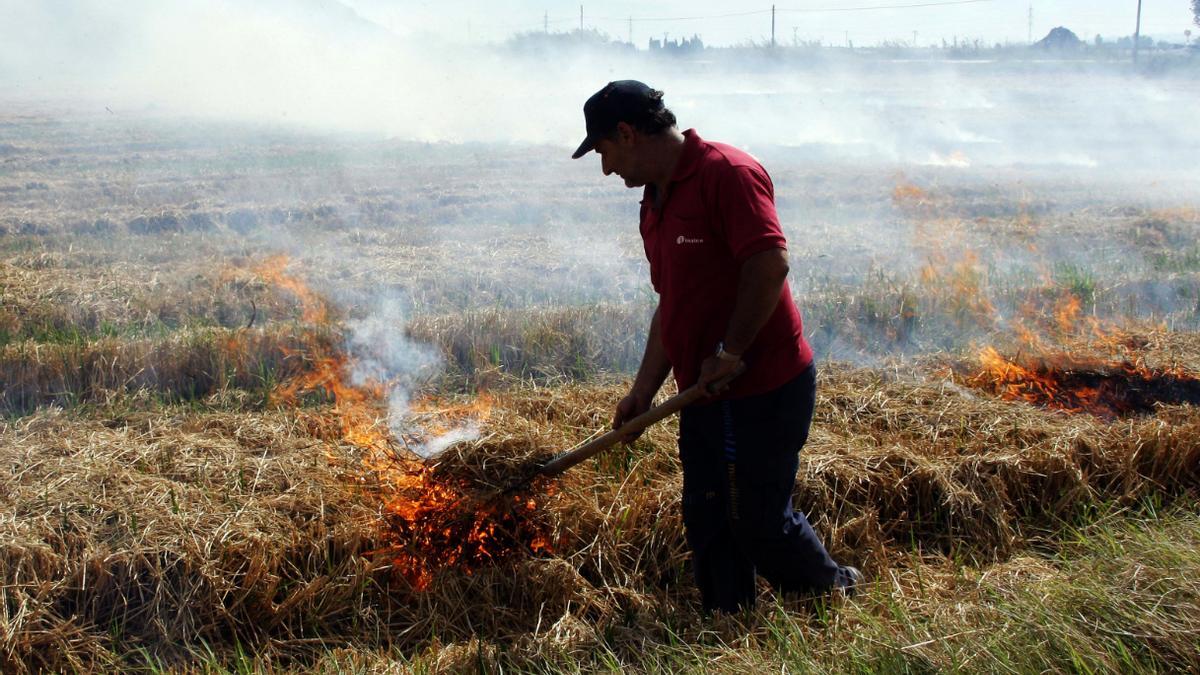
<point x="739" y="467"/>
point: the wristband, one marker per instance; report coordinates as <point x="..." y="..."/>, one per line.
<point x="727" y="356"/>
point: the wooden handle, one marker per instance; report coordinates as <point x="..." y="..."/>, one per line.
<point x="683" y="399"/>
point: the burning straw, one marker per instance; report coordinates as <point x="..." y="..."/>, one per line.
<point x="429" y="520"/>
<point x="1079" y="364"/>
<point x="1073" y="384"/>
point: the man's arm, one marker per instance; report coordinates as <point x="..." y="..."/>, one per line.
<point x="650" y="377"/>
<point x="760" y="282"/>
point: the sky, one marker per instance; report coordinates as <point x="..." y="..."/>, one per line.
<point x="988" y="20"/>
<point x="318" y="64"/>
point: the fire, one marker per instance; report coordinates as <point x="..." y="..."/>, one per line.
<point x="960" y="286"/>
<point x="439" y="417"/>
<point x="435" y="523"/>
<point x="273" y="270"/>
<point x="1034" y="385"/>
<point x="1109" y="387"/>
<point x="1107" y="390"/>
<point x="428" y="522"/>
<point x="1066" y="312"/>
<point x="906" y="193"/>
<point x="1051" y="316"/>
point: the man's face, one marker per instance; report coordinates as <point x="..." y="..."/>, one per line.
<point x="621" y="155"/>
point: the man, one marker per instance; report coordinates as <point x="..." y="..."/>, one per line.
<point x="718" y="260"/>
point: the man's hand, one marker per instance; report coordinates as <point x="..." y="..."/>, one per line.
<point x="714" y="369"/>
<point x="631" y="406"/>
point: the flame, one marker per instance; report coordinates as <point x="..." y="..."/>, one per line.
<point x="1014" y="382"/>
<point x="960" y="286"/>
<point x="956" y="281"/>
<point x="908" y="194"/>
<point x="440" y="416"/>
<point x="1073" y="385"/>
<point x="428" y="522"/>
<point x="313" y="307"/>
<point x="433" y="523"/>
<point x="1066" y="312"/>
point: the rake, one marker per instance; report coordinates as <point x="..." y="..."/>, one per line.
<point x="569" y="458"/>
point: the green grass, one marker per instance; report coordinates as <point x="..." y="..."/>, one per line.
<point x="1117" y="593"/>
<point x="1180" y="261"/>
<point x="1120" y="594"/>
<point x="1078" y="281"/>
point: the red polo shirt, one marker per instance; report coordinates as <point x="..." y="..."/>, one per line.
<point x="719" y="211"/>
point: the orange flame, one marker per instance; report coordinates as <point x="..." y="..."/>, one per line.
<point x="440" y="417"/>
<point x="905" y="194"/>
<point x="960" y="286"/>
<point x="1014" y="382"/>
<point x="428" y="522"/>
<point x="1066" y="312"/>
<point x="313" y="307"/>
<point x="1107" y="390"/>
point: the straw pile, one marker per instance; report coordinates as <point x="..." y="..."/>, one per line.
<point x="159" y="530"/>
<point x="161" y="534"/>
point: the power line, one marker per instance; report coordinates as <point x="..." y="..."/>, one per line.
<point x="686" y="18"/>
<point x="796" y="10"/>
<point x="630" y="20"/>
<point x="867" y="8"/>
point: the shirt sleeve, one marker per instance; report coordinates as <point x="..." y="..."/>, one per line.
<point x="746" y="204"/>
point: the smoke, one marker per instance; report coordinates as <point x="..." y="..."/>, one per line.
<point x="996" y="138"/>
<point x="318" y="64"/>
<point x="381" y="353"/>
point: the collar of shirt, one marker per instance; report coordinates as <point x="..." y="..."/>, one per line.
<point x="689" y="158"/>
<point x="685" y="166"/>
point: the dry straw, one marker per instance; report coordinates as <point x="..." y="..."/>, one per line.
<point x="159" y="532"/>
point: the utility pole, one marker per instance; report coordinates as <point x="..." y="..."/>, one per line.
<point x="914" y="39"/>
<point x="773" y="26"/>
<point x="795" y="38"/>
<point x="1137" y="31"/>
<point x="1029" y="37"/>
<point x="631" y="29"/>
<point x="581" y="18"/>
<point x="546" y="22"/>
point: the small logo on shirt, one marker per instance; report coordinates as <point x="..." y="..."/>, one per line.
<point x="688" y="240"/>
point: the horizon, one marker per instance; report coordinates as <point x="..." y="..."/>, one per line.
<point x="831" y="22"/>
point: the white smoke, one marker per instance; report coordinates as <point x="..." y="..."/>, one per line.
<point x="381" y="352"/>
<point x="319" y="64"/>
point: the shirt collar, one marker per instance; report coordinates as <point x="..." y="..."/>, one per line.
<point x="689" y="158"/>
<point x="685" y="166"/>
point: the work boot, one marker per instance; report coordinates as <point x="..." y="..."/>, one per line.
<point x="853" y="579"/>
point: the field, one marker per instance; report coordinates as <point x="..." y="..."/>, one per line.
<point x="225" y="351"/>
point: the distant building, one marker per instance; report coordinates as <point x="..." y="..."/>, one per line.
<point x="684" y="46"/>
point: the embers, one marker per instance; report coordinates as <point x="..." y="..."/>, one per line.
<point x="433" y="523"/>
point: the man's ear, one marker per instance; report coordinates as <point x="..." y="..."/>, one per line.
<point x="626" y="133"/>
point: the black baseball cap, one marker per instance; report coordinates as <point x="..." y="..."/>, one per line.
<point x="627" y="101"/>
